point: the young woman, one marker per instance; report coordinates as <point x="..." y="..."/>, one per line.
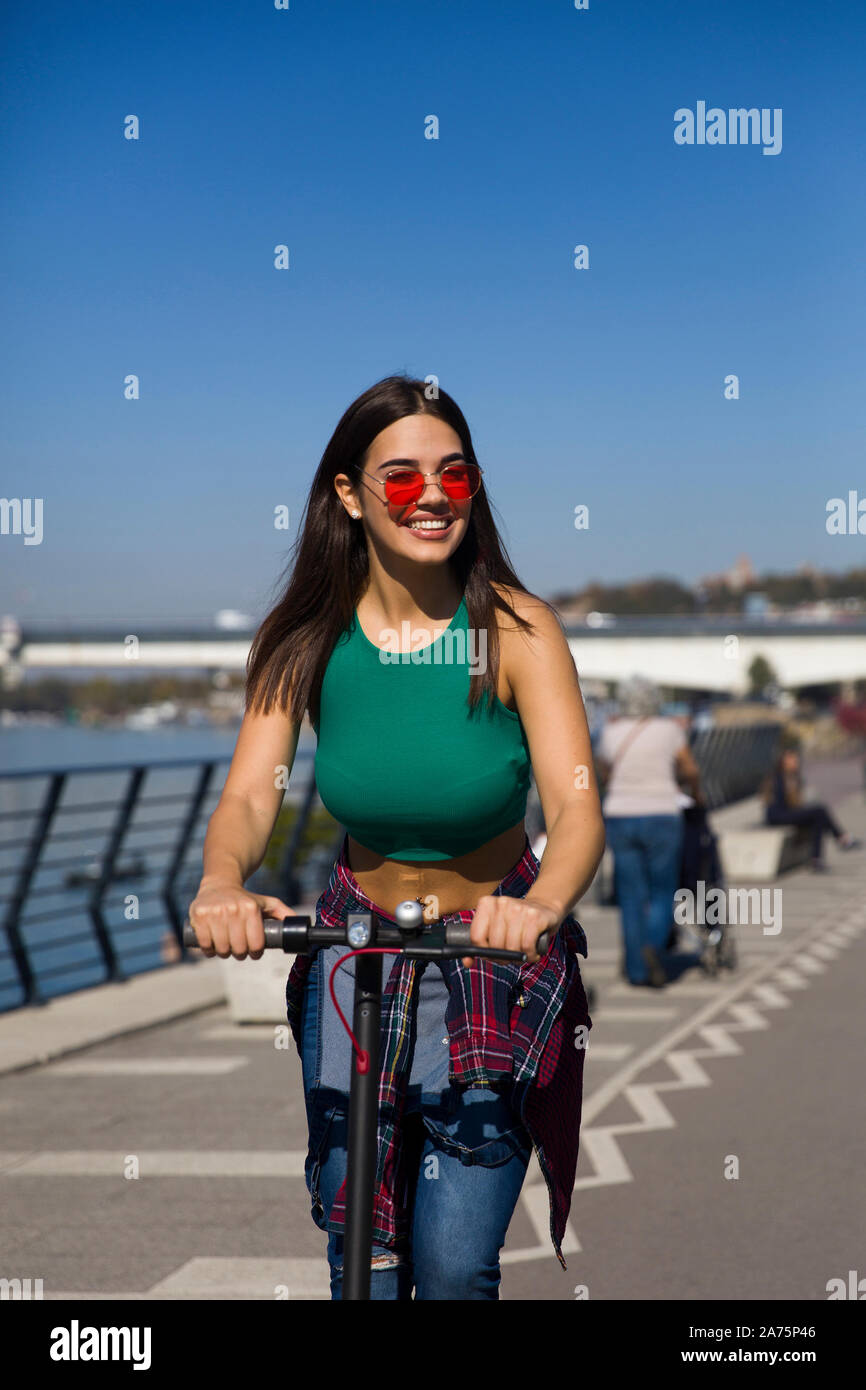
<point x="434" y="681"/>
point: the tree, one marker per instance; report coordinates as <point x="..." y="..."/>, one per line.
<point x="761" y="674"/>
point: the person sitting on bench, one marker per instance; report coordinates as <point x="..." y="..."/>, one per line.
<point x="785" y="806"/>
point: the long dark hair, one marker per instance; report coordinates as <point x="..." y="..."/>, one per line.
<point x="771" y="782"/>
<point x="329" y="565"/>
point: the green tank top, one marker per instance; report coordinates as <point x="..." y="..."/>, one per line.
<point x="401" y="761"/>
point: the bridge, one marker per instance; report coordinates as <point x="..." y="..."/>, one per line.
<point x="714" y="655"/>
<point x="704" y="653"/>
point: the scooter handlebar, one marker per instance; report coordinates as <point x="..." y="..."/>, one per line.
<point x="275" y="932"/>
<point x="458" y="934"/>
<point x="297" y="934"/>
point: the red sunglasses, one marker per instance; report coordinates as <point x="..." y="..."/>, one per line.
<point x="459" y="481"/>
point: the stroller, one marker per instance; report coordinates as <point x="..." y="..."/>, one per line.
<point x="700" y="862"/>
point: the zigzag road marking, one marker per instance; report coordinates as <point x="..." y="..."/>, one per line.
<point x="536" y="1204"/>
<point x="770" y="998"/>
<point x="767" y="970"/>
<point x="811" y="966"/>
<point x="748" y="1016"/>
<point x="791" y="979"/>
<point x="600" y="1144"/>
<point x="825" y="952"/>
<point x="252" y="1278"/>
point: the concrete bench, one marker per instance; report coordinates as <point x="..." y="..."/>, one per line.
<point x="751" y="850"/>
<point x="256" y="989"/>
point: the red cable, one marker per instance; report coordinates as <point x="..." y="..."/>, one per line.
<point x="363" y="1057"/>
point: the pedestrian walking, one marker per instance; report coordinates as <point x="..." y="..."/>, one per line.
<point x="644" y="758"/>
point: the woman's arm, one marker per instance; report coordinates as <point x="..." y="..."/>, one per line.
<point x="541" y="672"/>
<point x="226" y="917"/>
<point x="244" y="817"/>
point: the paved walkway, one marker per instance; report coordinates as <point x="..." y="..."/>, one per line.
<point x="168" y="1163"/>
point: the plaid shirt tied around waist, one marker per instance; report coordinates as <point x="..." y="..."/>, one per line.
<point x="511" y="1026"/>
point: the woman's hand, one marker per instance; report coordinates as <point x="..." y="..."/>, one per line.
<point x="511" y="924"/>
<point x="228" y="920"/>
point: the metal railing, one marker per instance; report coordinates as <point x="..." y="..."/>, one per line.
<point x="98" y="866"/>
<point x="734" y="760"/>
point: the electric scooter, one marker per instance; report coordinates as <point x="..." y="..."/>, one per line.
<point x="370" y="938"/>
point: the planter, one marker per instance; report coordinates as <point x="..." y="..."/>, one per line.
<point x="256" y="989"/>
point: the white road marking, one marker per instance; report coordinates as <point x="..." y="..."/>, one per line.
<point x="600" y="1144"/>
<point x="635" y="1015"/>
<point x="823" y="951"/>
<point x="811" y="965"/>
<point x="758" y="945"/>
<point x="790" y="979"/>
<point x="241" y="1032"/>
<point x="156" y="1163"/>
<point x="607" y="1158"/>
<point x="232" y="1278"/>
<point x="677" y="989"/>
<point x="770" y="997"/>
<point x="147" y="1066"/>
<point x="248" y="1277"/>
<point x="536" y="1203"/>
<point x="760" y="973"/>
<point x="748" y="1016"/>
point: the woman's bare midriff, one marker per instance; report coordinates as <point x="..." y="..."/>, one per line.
<point x="451" y="885"/>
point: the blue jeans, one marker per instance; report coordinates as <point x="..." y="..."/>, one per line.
<point x="469" y="1152"/>
<point x="813" y="817"/>
<point x="647" y="852"/>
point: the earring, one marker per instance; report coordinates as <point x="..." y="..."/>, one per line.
<point x="356" y="514"/>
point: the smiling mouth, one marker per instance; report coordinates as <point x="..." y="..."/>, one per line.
<point x="438" y="524"/>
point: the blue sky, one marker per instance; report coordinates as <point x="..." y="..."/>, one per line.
<point x="601" y="387"/>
